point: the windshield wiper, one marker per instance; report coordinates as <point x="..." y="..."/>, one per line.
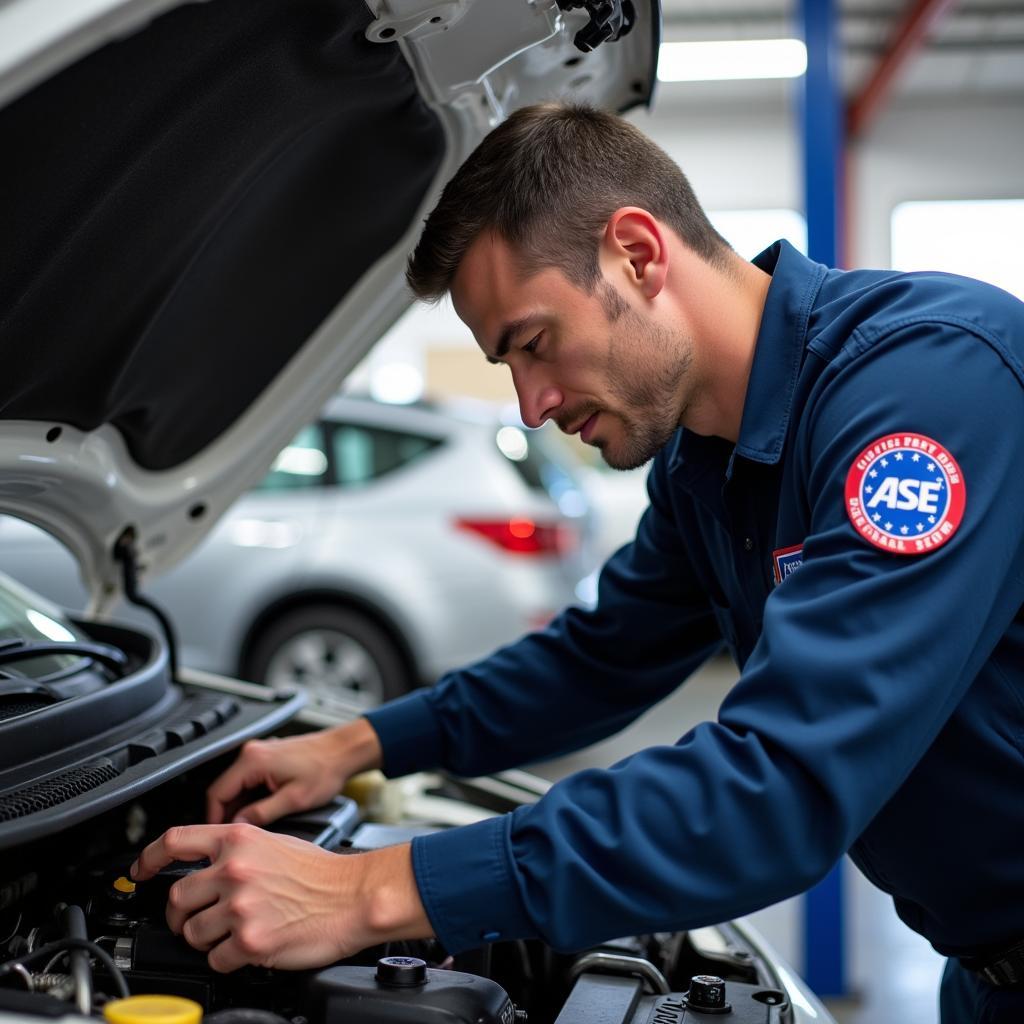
<point x="19" y="650"/>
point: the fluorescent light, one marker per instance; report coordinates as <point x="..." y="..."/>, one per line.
<point x="731" y="59"/>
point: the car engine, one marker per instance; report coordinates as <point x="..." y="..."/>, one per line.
<point x="105" y="744"/>
<point x="75" y="933"/>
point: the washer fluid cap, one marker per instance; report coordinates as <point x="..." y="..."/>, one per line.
<point x="401" y="971"/>
<point x="153" y="1010"/>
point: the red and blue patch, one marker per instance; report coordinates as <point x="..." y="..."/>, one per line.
<point x="786" y="561"/>
<point x="905" y="494"/>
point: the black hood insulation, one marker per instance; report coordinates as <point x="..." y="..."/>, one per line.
<point x="181" y="209"/>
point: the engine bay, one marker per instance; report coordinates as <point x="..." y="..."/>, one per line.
<point x="75" y="933"/>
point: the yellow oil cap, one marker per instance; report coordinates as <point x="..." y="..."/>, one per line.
<point x="125" y="885"/>
<point x="153" y="1010"/>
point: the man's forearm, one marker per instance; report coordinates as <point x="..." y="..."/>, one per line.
<point x="358" y="746"/>
<point x="390" y="897"/>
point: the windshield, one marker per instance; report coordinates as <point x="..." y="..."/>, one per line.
<point x="28" y="618"/>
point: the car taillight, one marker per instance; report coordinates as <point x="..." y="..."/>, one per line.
<point x="523" y="536"/>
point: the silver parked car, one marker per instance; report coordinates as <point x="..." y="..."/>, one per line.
<point x="386" y="545"/>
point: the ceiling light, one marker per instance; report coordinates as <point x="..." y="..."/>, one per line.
<point x="731" y="59"/>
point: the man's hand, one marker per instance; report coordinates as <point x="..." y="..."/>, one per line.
<point x="301" y="772"/>
<point x="276" y="901"/>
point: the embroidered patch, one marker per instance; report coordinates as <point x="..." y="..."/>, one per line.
<point x="905" y="494"/>
<point x="786" y="561"/>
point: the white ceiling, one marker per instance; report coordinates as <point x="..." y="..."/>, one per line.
<point x="976" y="50"/>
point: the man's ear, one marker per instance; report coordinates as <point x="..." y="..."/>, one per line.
<point x="635" y="246"/>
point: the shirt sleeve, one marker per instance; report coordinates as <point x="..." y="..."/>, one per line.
<point x="586" y="676"/>
<point x="863" y="657"/>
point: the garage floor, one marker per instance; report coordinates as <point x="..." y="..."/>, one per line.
<point x="894" y="972"/>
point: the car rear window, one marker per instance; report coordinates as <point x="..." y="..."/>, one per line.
<point x="365" y="453"/>
<point x="301" y="465"/>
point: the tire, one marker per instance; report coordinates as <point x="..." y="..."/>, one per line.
<point x="333" y="653"/>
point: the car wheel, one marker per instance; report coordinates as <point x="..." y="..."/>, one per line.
<point x="332" y="653"/>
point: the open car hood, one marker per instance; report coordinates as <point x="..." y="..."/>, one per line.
<point x="206" y="211"/>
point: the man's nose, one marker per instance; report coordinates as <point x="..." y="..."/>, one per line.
<point x="537" y="403"/>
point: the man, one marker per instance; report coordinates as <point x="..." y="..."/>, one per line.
<point x="842" y="507"/>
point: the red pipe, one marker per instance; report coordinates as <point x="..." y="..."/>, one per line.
<point x="920" y="18"/>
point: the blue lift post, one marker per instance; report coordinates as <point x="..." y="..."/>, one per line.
<point x="823" y="132"/>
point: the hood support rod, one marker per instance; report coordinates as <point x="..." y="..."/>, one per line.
<point x="124" y="552"/>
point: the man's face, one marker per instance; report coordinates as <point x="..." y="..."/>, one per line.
<point x="592" y="363"/>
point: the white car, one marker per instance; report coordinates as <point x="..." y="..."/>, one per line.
<point x="206" y="210"/>
<point x="387" y="545"/>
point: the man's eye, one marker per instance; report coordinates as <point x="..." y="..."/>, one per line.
<point x="531" y="345"/>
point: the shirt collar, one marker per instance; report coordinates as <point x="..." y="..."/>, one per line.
<point x="778" y="356"/>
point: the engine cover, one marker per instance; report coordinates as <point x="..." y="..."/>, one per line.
<point x="404" y="989"/>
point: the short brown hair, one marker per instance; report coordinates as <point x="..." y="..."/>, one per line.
<point x="546" y="181"/>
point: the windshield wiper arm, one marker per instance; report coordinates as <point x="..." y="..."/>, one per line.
<point x="19" y="650"/>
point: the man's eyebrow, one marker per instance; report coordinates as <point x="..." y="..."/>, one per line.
<point x="508" y="332"/>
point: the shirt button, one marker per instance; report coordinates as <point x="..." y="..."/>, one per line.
<point x="748" y="544"/>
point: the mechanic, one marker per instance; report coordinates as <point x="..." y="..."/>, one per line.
<point x="836" y="494"/>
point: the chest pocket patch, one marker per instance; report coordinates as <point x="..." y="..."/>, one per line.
<point x="786" y="561"/>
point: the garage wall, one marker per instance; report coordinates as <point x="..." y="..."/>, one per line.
<point x="972" y="151"/>
<point x="734" y="158"/>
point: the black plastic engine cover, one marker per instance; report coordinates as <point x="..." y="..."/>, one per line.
<point x="342" y="994"/>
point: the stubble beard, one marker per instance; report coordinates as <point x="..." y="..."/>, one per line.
<point x="648" y="374"/>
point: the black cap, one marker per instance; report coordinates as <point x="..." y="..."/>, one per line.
<point x="707" y="994"/>
<point x="401" y="971"/>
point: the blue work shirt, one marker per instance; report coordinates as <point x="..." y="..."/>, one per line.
<point x="880" y="709"/>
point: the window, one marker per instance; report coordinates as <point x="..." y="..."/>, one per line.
<point x="751" y="231"/>
<point x="303" y="464"/>
<point x="977" y="238"/>
<point x="366" y="453"/>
